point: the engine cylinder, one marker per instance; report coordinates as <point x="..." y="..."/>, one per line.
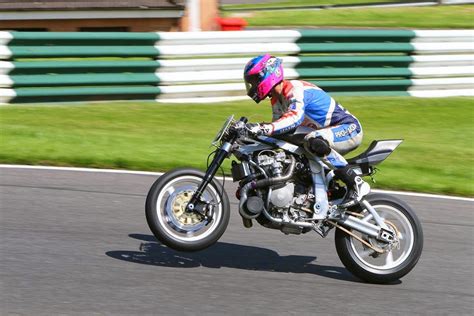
<point x="283" y="197"/>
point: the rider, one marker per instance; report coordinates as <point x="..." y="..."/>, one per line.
<point x="294" y="103"/>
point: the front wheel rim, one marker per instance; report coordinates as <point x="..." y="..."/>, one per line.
<point x="170" y="204"/>
<point x="394" y="256"/>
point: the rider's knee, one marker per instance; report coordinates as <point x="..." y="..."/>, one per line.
<point x="319" y="146"/>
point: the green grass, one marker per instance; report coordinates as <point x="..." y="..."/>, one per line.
<point x="436" y="156"/>
<point x="297" y="3"/>
<point x="455" y="16"/>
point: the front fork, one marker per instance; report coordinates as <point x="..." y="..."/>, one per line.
<point x="196" y="204"/>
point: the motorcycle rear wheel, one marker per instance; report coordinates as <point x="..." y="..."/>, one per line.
<point x="390" y="266"/>
<point x="172" y="225"/>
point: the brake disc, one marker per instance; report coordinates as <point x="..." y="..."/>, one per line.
<point x="179" y="209"/>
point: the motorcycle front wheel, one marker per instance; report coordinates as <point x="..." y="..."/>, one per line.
<point x="170" y="222"/>
<point x="397" y="259"/>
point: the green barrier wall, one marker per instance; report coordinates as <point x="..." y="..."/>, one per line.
<point x="71" y="66"/>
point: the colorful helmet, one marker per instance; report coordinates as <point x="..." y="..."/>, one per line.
<point x="261" y="74"/>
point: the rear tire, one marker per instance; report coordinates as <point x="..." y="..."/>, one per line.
<point x="180" y="230"/>
<point x="361" y="261"/>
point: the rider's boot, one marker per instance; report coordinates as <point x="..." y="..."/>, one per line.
<point x="357" y="187"/>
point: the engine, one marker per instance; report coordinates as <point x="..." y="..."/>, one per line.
<point x="274" y="186"/>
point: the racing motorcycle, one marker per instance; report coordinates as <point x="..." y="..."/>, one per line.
<point x="282" y="186"/>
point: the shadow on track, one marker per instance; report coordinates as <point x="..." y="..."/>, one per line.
<point x="227" y="255"/>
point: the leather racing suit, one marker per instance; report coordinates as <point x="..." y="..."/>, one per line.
<point x="303" y="103"/>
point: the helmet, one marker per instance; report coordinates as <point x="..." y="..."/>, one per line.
<point x="261" y="74"/>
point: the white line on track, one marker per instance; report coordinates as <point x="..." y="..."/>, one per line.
<point x="92" y="170"/>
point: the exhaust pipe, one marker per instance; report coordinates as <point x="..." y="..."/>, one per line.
<point x="244" y="198"/>
<point x="281" y="222"/>
<point x="255" y="209"/>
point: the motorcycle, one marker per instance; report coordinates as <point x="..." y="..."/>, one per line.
<point x="282" y="186"/>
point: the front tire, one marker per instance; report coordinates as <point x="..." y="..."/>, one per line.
<point x="166" y="216"/>
<point x="397" y="261"/>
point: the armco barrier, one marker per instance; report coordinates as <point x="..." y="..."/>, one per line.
<point x="49" y="66"/>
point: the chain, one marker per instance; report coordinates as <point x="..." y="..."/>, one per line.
<point x="356" y="237"/>
<point x="354" y="214"/>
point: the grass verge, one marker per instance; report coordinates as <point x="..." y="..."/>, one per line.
<point x="299" y="3"/>
<point x="452" y="16"/>
<point x="436" y="156"/>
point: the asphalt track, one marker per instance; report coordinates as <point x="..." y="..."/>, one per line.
<point x="77" y="243"/>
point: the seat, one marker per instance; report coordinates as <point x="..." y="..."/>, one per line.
<point x="377" y="152"/>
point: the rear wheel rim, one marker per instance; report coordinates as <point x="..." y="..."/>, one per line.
<point x="395" y="255"/>
<point x="170" y="205"/>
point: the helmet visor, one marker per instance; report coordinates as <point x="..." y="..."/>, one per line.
<point x="251" y="85"/>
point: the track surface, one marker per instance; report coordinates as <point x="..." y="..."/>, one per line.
<point x="78" y="243"/>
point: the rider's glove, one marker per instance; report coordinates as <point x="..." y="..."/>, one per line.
<point x="267" y="129"/>
<point x="258" y="129"/>
<point x="254" y="128"/>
